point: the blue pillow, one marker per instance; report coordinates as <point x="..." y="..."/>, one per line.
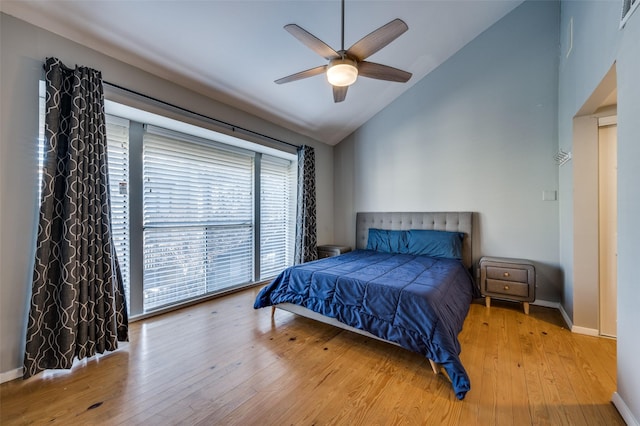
<point x="387" y="241"/>
<point x="435" y="243"/>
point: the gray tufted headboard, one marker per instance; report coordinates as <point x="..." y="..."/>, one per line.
<point x="439" y="221"/>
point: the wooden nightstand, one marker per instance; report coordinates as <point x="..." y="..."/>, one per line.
<point x="330" y="250"/>
<point x="510" y="279"/>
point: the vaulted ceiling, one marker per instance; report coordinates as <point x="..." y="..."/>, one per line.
<point x="233" y="51"/>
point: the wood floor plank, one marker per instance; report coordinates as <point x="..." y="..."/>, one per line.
<point x="520" y="413"/>
<point x="533" y="364"/>
<point x="222" y="362"/>
<point x="473" y="338"/>
<point x="241" y="364"/>
<point x="562" y="382"/>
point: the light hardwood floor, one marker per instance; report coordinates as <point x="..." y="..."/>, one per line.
<point x="222" y="362"/>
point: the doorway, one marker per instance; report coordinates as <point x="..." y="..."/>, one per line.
<point x="607" y="224"/>
<point x="593" y="313"/>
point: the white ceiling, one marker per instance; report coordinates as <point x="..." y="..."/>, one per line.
<point x="233" y="51"/>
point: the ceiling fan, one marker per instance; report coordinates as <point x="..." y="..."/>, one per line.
<point x="345" y="66"/>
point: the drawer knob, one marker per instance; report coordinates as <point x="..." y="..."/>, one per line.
<point x="506" y="274"/>
<point x="506" y="287"/>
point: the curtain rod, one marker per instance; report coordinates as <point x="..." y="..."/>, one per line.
<point x="232" y="127"/>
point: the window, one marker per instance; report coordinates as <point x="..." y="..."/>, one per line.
<point x="41" y="116"/>
<point x="198" y="217"/>
<point x="277" y="215"/>
<point x="194" y="212"/>
<point x="118" y="163"/>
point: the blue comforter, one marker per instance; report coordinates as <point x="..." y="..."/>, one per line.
<point x="418" y="302"/>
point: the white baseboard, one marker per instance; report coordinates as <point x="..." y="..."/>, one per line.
<point x="624" y="410"/>
<point x="7" y="376"/>
<point x="586" y="331"/>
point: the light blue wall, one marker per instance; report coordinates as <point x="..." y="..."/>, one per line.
<point x="480" y="134"/>
<point x="582" y="67"/>
<point x="598" y="43"/>
<point x="628" y="67"/>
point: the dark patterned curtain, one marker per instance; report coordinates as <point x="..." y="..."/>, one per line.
<point x="306" y="238"/>
<point x="78" y="308"/>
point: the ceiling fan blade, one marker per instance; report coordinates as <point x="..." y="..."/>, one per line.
<point x="339" y="93"/>
<point x="371" y="43"/>
<point x="302" y="74"/>
<point x="311" y="41"/>
<point x="382" y="72"/>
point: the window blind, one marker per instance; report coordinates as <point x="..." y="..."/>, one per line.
<point x="198" y="213"/>
<point x="41" y="117"/>
<point x="197" y="217"/>
<point x="118" y="161"/>
<point x="277" y="215"/>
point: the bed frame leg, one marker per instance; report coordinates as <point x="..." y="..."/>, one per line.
<point x="273" y="311"/>
<point x="434" y="366"/>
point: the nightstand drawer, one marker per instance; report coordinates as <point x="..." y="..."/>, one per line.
<point x="508" y="288"/>
<point x="507" y="274"/>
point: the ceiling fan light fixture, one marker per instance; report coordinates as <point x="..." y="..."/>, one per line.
<point x="342" y="72"/>
<point x="345" y="65"/>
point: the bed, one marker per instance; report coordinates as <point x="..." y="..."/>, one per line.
<point x="408" y="283"/>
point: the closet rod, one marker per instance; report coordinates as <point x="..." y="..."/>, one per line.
<point x="230" y="126"/>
